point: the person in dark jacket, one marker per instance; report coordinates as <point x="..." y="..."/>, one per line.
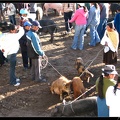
<point x="104" y="15"/>
<point x="117" y="23"/>
<point x="23" y="46"/>
<point x="35" y="52"/>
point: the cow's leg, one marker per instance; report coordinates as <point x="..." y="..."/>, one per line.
<point x="61" y="95"/>
<point x="51" y="40"/>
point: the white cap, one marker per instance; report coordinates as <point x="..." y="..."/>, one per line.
<point x="81" y="4"/>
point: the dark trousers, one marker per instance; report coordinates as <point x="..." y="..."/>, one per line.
<point x="67" y="16"/>
<point x="26" y="60"/>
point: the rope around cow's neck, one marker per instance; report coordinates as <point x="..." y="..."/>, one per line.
<point x="91" y="61"/>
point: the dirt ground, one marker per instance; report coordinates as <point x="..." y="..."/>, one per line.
<point x="34" y="99"/>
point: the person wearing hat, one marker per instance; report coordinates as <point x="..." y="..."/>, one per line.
<point x="23" y="16"/>
<point x="110" y="41"/>
<point x="80" y="18"/>
<point x="102" y="83"/>
<point x="23" y="45"/>
<point x="113" y="99"/>
<point x="35" y="52"/>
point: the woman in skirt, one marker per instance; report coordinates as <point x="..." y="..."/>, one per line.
<point x="111" y="41"/>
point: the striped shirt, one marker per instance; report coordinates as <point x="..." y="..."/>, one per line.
<point x="67" y="7"/>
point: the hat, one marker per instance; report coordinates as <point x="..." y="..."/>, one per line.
<point x="27" y="23"/>
<point x="109" y="69"/>
<point x="36" y="23"/>
<point x="81" y="4"/>
<point x="23" y="11"/>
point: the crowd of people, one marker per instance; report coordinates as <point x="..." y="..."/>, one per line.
<point x="101" y="32"/>
<point x="25" y="36"/>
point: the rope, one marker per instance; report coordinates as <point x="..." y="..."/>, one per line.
<point x="70" y="103"/>
<point x="47" y="62"/>
<point x="55" y="69"/>
<point x="92" y="61"/>
<point x="84" y="93"/>
<point x="44" y="62"/>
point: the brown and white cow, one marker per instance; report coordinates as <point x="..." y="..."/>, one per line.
<point x="62" y="84"/>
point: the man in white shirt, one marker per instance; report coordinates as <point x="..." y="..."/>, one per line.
<point x="9" y="44"/>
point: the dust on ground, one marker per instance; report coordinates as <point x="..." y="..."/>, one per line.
<point x="34" y="99"/>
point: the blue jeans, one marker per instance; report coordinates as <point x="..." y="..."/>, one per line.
<point x="12" y="61"/>
<point x="78" y="41"/>
<point x="12" y="19"/>
<point x="94" y="35"/>
<point x="101" y="27"/>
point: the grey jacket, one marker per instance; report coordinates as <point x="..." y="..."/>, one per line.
<point x="94" y="16"/>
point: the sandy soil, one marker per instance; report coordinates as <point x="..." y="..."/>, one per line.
<point x="34" y="99"/>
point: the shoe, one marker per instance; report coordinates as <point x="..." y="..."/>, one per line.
<point x="17" y="80"/>
<point x="73" y="48"/>
<point x="41" y="80"/>
<point x="17" y="84"/>
<point x="80" y="49"/>
<point x="91" y="45"/>
<point x="25" y="68"/>
<point x="29" y="67"/>
<point x="98" y="43"/>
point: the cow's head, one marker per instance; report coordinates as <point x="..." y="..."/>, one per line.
<point x="79" y="65"/>
<point x="67" y="87"/>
